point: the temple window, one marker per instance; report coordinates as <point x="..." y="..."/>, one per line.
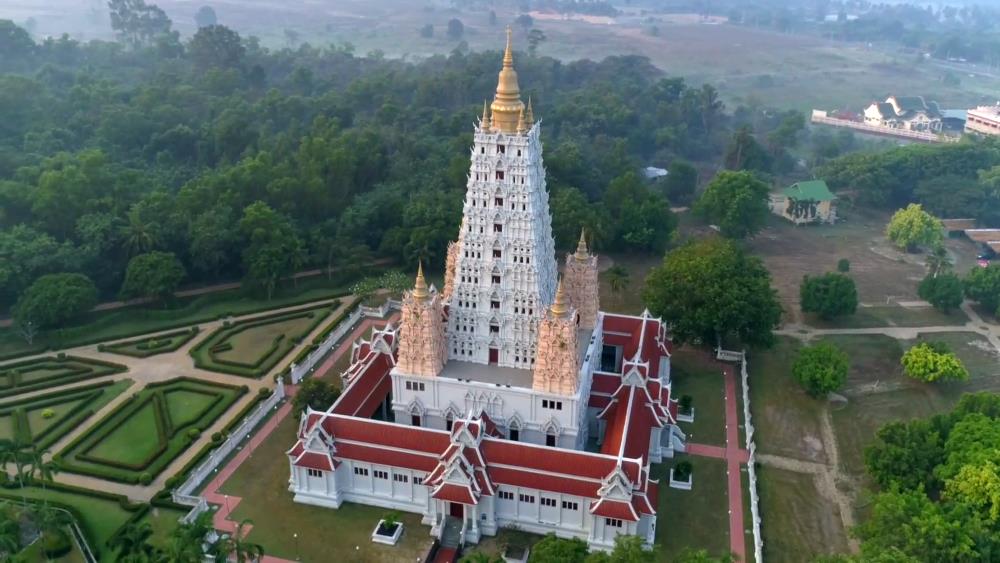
<point x="497" y="228"/>
<point x="502" y="149"/>
<point x="497" y="253"/>
<point x="496" y="280"/>
<point x="499" y="174"/>
<point x="498" y="201"/>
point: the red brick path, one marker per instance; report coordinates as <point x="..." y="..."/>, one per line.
<point x="734" y="456"/>
<point x="228" y="503"/>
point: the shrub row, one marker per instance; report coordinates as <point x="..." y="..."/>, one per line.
<point x="204" y="357"/>
<point x="330" y="327"/>
<point x="153" y="401"/>
<point x="171" y="446"/>
<point x="76" y="369"/>
<point x="152" y="345"/>
<point x="77" y="336"/>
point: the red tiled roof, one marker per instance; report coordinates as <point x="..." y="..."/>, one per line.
<point x="564" y="484"/>
<point x="614" y="509"/>
<point x="314" y="460"/>
<point x="387" y="434"/>
<point x="366" y="390"/>
<point x="382" y="456"/>
<point x="605" y="383"/>
<point x="455" y="493"/>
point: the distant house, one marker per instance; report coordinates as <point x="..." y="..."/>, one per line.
<point x="805" y="202"/>
<point x="652" y="172"/>
<point x="911" y="113"/>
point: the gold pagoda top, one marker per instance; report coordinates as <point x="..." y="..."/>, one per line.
<point x="559" y="307"/>
<point x="420" y="292"/>
<point x="507" y="106"/>
<point x="582" y="254"/>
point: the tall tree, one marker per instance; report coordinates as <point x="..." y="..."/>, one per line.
<point x="830" y="295"/>
<point x="55" y="299"/>
<point x="216" y="46"/>
<point x="273" y="246"/>
<point x="983" y="285"/>
<point x="710" y="289"/>
<point x="821" y="368"/>
<point x="155" y="275"/>
<point x="237" y="548"/>
<point x="138" y="23"/>
<point x="912" y="227"/>
<point x="735" y="201"/>
<point x="205" y="16"/>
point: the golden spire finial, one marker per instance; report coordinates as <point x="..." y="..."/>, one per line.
<point x="528" y="114"/>
<point x="420" y="292"/>
<point x="581" y="247"/>
<point x="508" y="52"/>
<point x="507" y="104"/>
<point x="559" y="308"/>
<point x="522" y="125"/>
<point x="485" y="123"/>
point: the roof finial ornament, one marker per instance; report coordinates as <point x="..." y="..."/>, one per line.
<point x="559" y="308"/>
<point x="420" y="292"/>
<point x="581" y="247"/>
<point x="522" y="125"/>
<point x="485" y="123"/>
<point x="528" y="114"/>
<point x="508" y="53"/>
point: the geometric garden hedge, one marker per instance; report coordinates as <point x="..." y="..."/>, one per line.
<point x="252" y="347"/>
<point x="52" y="371"/>
<point x="43" y="419"/>
<point x="138" y="440"/>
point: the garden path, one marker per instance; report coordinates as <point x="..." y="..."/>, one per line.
<point x="734" y="456"/>
<point x="831" y="481"/>
<point x="162" y="367"/>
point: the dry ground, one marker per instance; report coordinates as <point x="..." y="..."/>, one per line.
<point x="884" y="276"/>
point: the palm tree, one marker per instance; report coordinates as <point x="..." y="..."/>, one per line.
<point x="187" y="540"/>
<point x="237" y="547"/>
<point x="618" y="279"/>
<point x="138" y="236"/>
<point x="133" y="544"/>
<point x="938" y="261"/>
<point x="10" y="535"/>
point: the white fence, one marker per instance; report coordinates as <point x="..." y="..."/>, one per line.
<point x="185" y="493"/>
<point x="820" y="116"/>
<point x="758" y="541"/>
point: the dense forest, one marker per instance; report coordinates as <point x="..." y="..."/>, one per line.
<point x="223" y="159"/>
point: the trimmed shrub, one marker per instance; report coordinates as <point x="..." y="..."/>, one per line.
<point x="682" y="471"/>
<point x="56" y="544"/>
<point x="145" y="478"/>
<point x="48" y="413"/>
<point x="193" y="433"/>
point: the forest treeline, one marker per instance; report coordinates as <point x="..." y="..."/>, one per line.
<point x="233" y="160"/>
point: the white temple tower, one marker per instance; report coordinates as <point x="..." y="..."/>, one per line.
<point x="504" y="274"/>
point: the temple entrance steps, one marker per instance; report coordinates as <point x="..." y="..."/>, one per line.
<point x="452" y="532"/>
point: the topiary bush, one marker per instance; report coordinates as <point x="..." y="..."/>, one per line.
<point x="48" y="413"/>
<point x="194" y="433"/>
<point x="682" y="471"/>
<point x="145" y="478"/>
<point x="56" y="544"/>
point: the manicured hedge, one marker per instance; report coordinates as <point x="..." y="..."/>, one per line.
<point x="75" y="369"/>
<point x="172" y="440"/>
<point x="70" y="419"/>
<point x="152" y="345"/>
<point x="204" y="353"/>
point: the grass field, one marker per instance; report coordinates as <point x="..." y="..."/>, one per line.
<point x="262" y="483"/>
<point x="694" y="374"/>
<point x="42" y="373"/>
<point x="798" y="523"/>
<point x="252" y="347"/>
<point x="26" y="419"/>
<point x="698" y="518"/>
<point x="143" y="435"/>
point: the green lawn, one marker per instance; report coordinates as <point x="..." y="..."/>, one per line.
<point x="787" y="420"/>
<point x="629" y="299"/>
<point x="152" y="345"/>
<point x="891" y="315"/>
<point x="131" y="321"/>
<point x="252" y="347"/>
<point x="144" y="434"/>
<point x="694" y="373"/>
<point x="262" y="482"/>
<point x="797" y="523"/>
<point x="698" y="518"/>
<point x="164" y="521"/>
<point x="69" y="408"/>
<point x="52" y="371"/>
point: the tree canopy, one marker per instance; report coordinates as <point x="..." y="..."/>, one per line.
<point x="944" y="291"/>
<point x="938" y="477"/>
<point x="155" y="275"/>
<point x="710" y="289"/>
<point x="54" y="299"/>
<point x="913" y="227"/>
<point x="821" y="368"/>
<point x="735" y="201"/>
<point x="983" y="286"/>
<point x="831" y="295"/>
<point x="929" y="362"/>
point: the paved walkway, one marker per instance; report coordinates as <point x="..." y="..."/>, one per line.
<point x="163" y="367"/>
<point x="735" y="456"/>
